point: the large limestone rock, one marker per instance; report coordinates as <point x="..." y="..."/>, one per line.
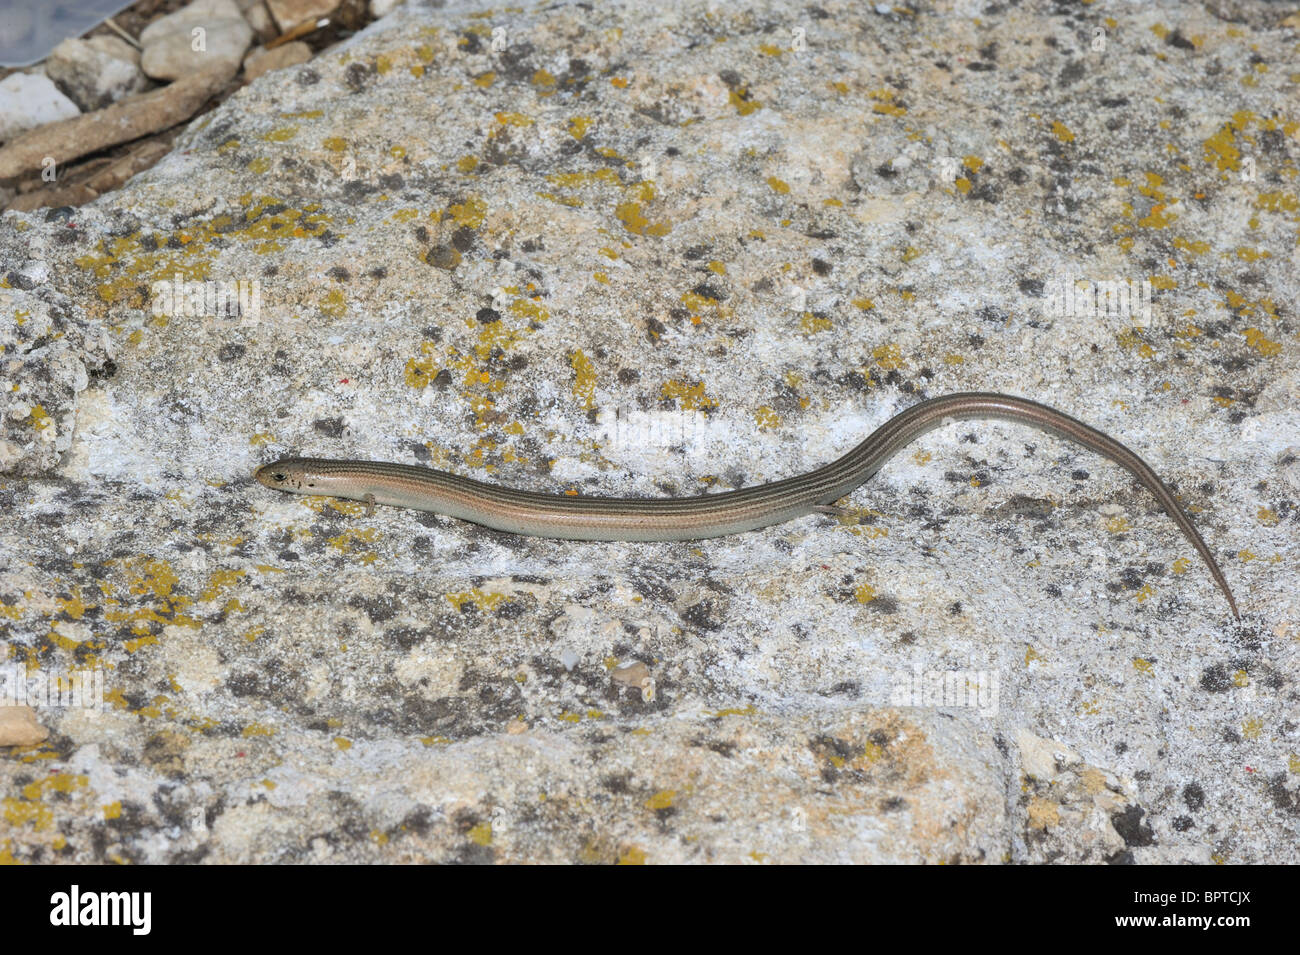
<point x="669" y="249"/>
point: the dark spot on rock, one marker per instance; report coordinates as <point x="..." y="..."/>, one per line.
<point x="443" y="257"/>
<point x="245" y="684"/>
<point x="103" y="372"/>
<point x="418" y="821"/>
<point x="358" y="189"/>
<point x="1131" y="828"/>
<point x="356" y="75"/>
<point x="1282" y="797"/>
<point x="165" y="752"/>
<point x="330" y="427"/>
<point x="885" y="605"/>
<point x="463" y="238"/>
<point x="231" y="351"/>
<point x="703" y="615"/>
<point x="620" y="785"/>
<point x="1071" y="73"/>
<point x="821" y="266"/>
<point x="1215" y="679"/>
<point x="705" y="290"/>
<point x="1032" y="287"/>
<point x="510" y="610"/>
<point x="405" y="638"/>
<point x="379" y="609"/>
<point x="487" y="316"/>
<point x="515" y="62"/>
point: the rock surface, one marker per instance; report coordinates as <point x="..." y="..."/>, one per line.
<point x="48" y="352"/>
<point x="658" y="250"/>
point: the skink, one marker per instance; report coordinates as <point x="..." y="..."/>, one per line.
<point x="706" y="515"/>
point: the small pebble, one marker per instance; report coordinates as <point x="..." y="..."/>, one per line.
<point x="19" y="727"/>
<point x="28" y="100"/>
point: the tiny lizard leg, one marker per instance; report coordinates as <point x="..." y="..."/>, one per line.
<point x="834" y="510"/>
<point x="370" y="505"/>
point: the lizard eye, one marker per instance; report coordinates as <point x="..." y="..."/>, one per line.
<point x="278" y="475"/>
